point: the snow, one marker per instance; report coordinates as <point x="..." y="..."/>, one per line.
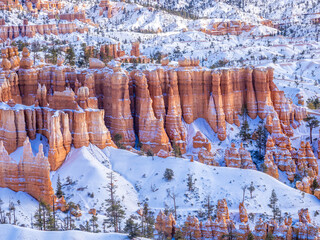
<point x="293" y="55"/>
<point x="9" y="232"/>
<point x="146" y="174"/>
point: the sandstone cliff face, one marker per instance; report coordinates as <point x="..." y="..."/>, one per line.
<point x="12" y="32"/>
<point x="28" y="79"/>
<point x="78" y="107"/>
<point x="238" y="159"/>
<point x="150" y="129"/>
<point x="168" y="96"/>
<point x="117" y="105"/>
<point x="31" y="174"/>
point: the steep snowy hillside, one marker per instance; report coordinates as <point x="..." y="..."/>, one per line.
<point x="140" y="179"/>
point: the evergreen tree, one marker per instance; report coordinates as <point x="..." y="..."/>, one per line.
<point x="132" y="228"/>
<point x="49" y="219"/>
<point x="12" y="210"/>
<point x="314" y="185"/>
<point x="38" y="217"/>
<point x="148" y="222"/>
<point x="208" y="206"/>
<point x="244" y="133"/>
<point x="312" y="122"/>
<point x="190" y="182"/>
<point x="43" y="218"/>
<point x="261" y="138"/>
<point x="250" y="236"/>
<point x="251" y="188"/>
<point x="117" y="140"/>
<point x="94" y="223"/>
<point x="176" y="150"/>
<point x="70" y="56"/>
<point x="168" y="174"/>
<point x="87" y="227"/>
<point x="53" y="54"/>
<point x="114" y="210"/>
<point x="59" y="192"/>
<point x="274" y="206"/>
<point x="35" y="48"/>
<point x="269" y="236"/>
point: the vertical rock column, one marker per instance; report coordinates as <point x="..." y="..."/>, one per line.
<point x="117" y="105"/>
<point x="150" y="129"/>
<point x="28" y="78"/>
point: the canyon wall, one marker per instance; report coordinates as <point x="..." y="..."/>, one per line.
<point x="138" y="108"/>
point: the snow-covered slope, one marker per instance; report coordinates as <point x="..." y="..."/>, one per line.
<point x="272" y="9"/>
<point x="10" y="232"/>
<point x="140" y="179"/>
<point x="146" y="174"/>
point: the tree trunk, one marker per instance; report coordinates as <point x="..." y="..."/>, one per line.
<point x="311" y="135"/>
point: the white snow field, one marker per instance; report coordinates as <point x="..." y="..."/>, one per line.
<point x="10" y="232"/>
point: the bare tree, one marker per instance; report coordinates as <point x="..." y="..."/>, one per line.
<point x="243" y="192"/>
<point x="173" y="196"/>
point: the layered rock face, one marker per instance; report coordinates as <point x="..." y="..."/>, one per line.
<point x="151" y="132"/>
<point x="12" y="32"/>
<point x="10" y="4"/>
<point x="116" y="102"/>
<point x="31" y="174"/>
<point x="222" y="226"/>
<point x="232" y="27"/>
<point x="238" y="159"/>
<point x="105" y="5"/>
<point x="78" y="107"/>
<point x="153" y="104"/>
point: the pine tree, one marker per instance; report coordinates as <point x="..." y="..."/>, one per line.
<point x="269" y="236"/>
<point x="208" y="206"/>
<point x="59" y="192"/>
<point x="250" y="236"/>
<point x="261" y="138"/>
<point x="190" y="182"/>
<point x="244" y="133"/>
<point x="117" y="140"/>
<point x="12" y="210"/>
<point x="87" y="227"/>
<point x="312" y="122"/>
<point x="314" y="185"/>
<point x="251" y="188"/>
<point x="147" y="222"/>
<point x="49" y="219"/>
<point x="176" y="150"/>
<point x="2" y="218"/>
<point x="114" y="210"/>
<point x="168" y="174"/>
<point x="132" y="228"/>
<point x="38" y="217"/>
<point x="54" y="53"/>
<point x="94" y="223"/>
<point x="273" y="205"/>
<point x="70" y="56"/>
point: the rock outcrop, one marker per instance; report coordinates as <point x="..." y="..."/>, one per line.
<point x="76" y="107"/>
<point x="238" y="159"/>
<point x="199" y="141"/>
<point x="116" y="103"/>
<point x="222" y="226"/>
<point x="31" y="174"/>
